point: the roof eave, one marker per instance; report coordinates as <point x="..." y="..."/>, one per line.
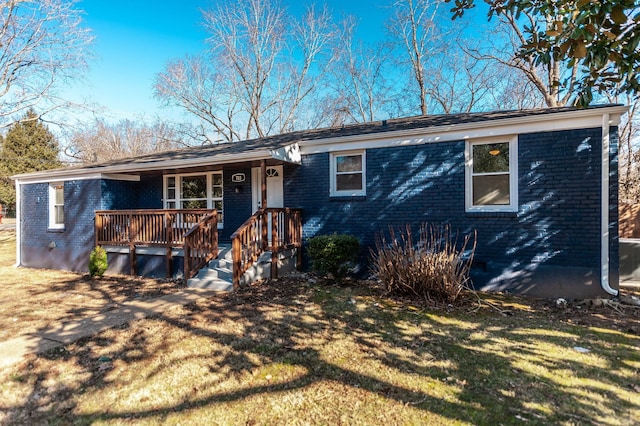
<point x="615" y="112"/>
<point x="291" y="152"/>
<point x="69" y="174"/>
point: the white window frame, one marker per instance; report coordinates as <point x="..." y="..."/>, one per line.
<point x="513" y="175"/>
<point x="178" y="198"/>
<point x="333" y="192"/>
<point x="53" y="224"/>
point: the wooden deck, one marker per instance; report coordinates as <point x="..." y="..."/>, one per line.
<point x="196" y="232"/>
<point x="193" y="230"/>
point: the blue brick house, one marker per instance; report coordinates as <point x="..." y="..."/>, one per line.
<point x="539" y="187"/>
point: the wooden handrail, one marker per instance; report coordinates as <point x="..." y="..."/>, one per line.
<point x="196" y="231"/>
<point x="252" y="239"/>
<point x="166" y="228"/>
<point x="146" y="227"/>
<point x="200" y="245"/>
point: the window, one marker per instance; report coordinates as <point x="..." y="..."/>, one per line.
<point x="194" y="191"/>
<point x="56" y="205"/>
<point x="348" y="174"/>
<point x="491" y="179"/>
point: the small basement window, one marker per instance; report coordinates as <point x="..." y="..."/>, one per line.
<point x="56" y="205"/>
<point x="491" y="175"/>
<point x="348" y="176"/>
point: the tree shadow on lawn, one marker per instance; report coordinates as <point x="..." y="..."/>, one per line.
<point x="453" y="366"/>
<point x="36" y="300"/>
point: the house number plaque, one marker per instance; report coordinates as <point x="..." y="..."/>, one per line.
<point x="238" y="177"/>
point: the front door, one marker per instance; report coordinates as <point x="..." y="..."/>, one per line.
<point x="275" y="196"/>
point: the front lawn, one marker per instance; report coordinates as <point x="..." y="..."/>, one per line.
<point x="32" y="300"/>
<point x="301" y="351"/>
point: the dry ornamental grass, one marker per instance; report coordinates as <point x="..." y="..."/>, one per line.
<point x="435" y="268"/>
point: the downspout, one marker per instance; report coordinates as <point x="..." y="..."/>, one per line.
<point x="18" y="224"/>
<point x="604" y="206"/>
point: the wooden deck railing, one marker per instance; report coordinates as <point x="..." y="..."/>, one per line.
<point x="200" y="245"/>
<point x="153" y="228"/>
<point x="271" y="229"/>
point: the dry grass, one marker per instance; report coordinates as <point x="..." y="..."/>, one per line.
<point x="34" y="299"/>
<point x="296" y="352"/>
<point x="435" y="269"/>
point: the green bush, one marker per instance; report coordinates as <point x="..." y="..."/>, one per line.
<point x="97" y="262"/>
<point x="334" y="254"/>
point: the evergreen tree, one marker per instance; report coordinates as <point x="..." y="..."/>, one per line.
<point x="28" y="146"/>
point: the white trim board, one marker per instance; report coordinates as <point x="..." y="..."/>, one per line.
<point x="93" y="176"/>
<point x="570" y="120"/>
<point x="288" y="153"/>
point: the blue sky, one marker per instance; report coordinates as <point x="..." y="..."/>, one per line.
<point x="134" y="39"/>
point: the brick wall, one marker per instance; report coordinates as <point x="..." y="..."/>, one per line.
<point x="150" y="192"/>
<point x="124" y="195"/>
<point x="237" y="205"/>
<point x="66" y="248"/>
<point x="553" y="238"/>
<point x="557" y="224"/>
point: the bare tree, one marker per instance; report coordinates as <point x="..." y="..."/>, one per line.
<point x="413" y="26"/>
<point x="99" y="141"/>
<point x="360" y="78"/>
<point x="629" y="151"/>
<point x="460" y="83"/>
<point x="512" y="91"/>
<point x="555" y="81"/>
<point x="450" y="75"/>
<point x="207" y="94"/>
<point x="43" y="46"/>
<point x="262" y="67"/>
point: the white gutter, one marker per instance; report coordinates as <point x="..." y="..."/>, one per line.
<point x="18" y="225"/>
<point x="604" y="206"/>
<point x="133" y="167"/>
<point x="42" y="178"/>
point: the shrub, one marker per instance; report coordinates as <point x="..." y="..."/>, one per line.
<point x="334" y="254"/>
<point x="97" y="262"/>
<point x="435" y="269"/>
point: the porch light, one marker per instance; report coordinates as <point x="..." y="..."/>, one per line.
<point x="494" y="152"/>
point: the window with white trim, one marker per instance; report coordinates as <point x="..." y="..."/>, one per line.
<point x="194" y="191"/>
<point x="491" y="175"/>
<point x="56" y="205"/>
<point x="348" y="174"/>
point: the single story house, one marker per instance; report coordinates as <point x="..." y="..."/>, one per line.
<point x="540" y="188"/>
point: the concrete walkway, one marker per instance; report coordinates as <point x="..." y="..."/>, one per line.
<point x="66" y="332"/>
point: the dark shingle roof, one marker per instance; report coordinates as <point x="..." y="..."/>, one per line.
<point x="266" y="144"/>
